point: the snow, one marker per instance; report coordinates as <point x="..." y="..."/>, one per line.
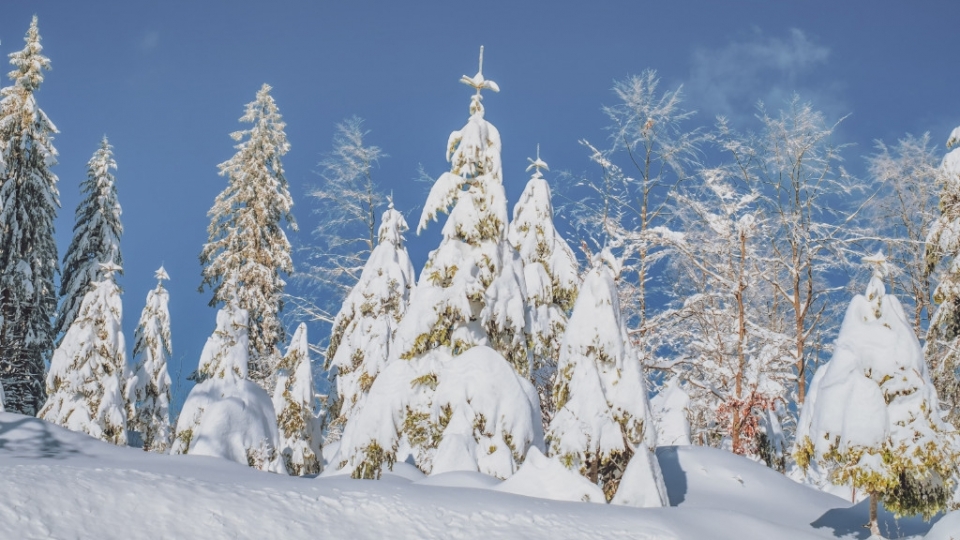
<point x="636" y="489"/>
<point x="547" y="478"/>
<point x="669" y="408"/>
<point x="60" y="484"/>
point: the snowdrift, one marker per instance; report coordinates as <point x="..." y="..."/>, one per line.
<point x="60" y="484"/>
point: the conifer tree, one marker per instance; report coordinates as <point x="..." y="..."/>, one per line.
<point x="96" y="235"/>
<point x="293" y="400"/>
<point x="360" y="344"/>
<point x="551" y="275"/>
<point x="470" y="294"/>
<point x="872" y="417"/>
<point x="86" y="373"/>
<point x="246" y="239"/>
<point x="602" y="413"/>
<point x="148" y="390"/>
<point x="942" y="347"/>
<point x="28" y="253"/>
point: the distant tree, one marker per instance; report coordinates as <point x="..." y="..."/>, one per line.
<point x="602" y="413"/>
<point x="246" y="240"/>
<point x="348" y="199"/>
<point x="293" y="401"/>
<point x="942" y="248"/>
<point x="28" y="253"/>
<point x="871" y="417"/>
<point x="551" y="275"/>
<point x="84" y="384"/>
<point x="901" y="214"/>
<point x="362" y="338"/>
<point x="651" y="152"/>
<point x="96" y="236"/>
<point x="148" y="390"/>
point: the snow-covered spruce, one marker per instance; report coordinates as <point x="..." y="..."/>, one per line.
<point x="602" y="414"/>
<point x="84" y="384"/>
<point x="148" y="389"/>
<point x="96" y="235"/>
<point x="246" y="239"/>
<point x="226" y="415"/>
<point x="293" y="401"/>
<point x="471" y="293"/>
<point x="551" y="274"/>
<point x="942" y="348"/>
<point x="360" y="344"/>
<point x="669" y="409"/>
<point x="28" y="253"/>
<point x="872" y="418"/>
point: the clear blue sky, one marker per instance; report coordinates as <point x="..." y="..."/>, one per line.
<point x="167" y="81"/>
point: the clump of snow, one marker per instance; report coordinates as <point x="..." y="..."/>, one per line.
<point x="293" y="401"/>
<point x="547" y="478"/>
<point x="669" y="408"/>
<point x="635" y="488"/>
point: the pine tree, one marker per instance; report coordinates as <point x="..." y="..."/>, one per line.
<point x="942" y="348"/>
<point x="148" y="390"/>
<point x="226" y="415"/>
<point x="602" y="413"/>
<point x="360" y="344"/>
<point x="551" y="275"/>
<point x="293" y="400"/>
<point x="246" y="240"/>
<point x="96" y="235"/>
<point x="86" y="373"/>
<point x="471" y="293"/>
<point x="28" y="253"/>
<point x="872" y="417"/>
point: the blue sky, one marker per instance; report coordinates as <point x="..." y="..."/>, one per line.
<point x="167" y="81"/>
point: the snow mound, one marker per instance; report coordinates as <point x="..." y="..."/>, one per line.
<point x="461" y="479"/>
<point x="642" y="482"/>
<point x="547" y="478"/>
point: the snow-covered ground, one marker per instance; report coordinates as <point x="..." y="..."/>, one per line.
<point x="58" y="484"/>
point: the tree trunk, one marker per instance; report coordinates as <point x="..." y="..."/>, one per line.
<point x="873" y="525"/>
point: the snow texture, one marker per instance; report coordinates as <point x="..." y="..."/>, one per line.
<point x="293" y="399"/>
<point x="669" y="408"/>
<point x="547" y="478"/>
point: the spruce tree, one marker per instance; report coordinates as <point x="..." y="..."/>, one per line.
<point x="28" y="253"/>
<point x="96" y="236"/>
<point x="86" y="373"/>
<point x="293" y="401"/>
<point x="148" y="390"/>
<point x="360" y="344"/>
<point x="551" y="274"/>
<point x="246" y="239"/>
<point x="602" y="414"/>
<point x="872" y="418"/>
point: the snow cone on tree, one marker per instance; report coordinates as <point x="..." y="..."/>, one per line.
<point x="872" y="416"/>
<point x="603" y="426"/>
<point x="293" y="400"/>
<point x="457" y="398"/>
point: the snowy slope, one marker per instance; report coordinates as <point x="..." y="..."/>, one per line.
<point x="59" y="484"/>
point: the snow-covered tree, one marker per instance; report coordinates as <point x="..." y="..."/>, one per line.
<point x="227" y="415"/>
<point x="871" y="417"/>
<point x="293" y="400"/>
<point x="651" y="151"/>
<point x="86" y="374"/>
<point x="942" y="249"/>
<point x="602" y="414"/>
<point x="246" y="240"/>
<point x="907" y="178"/>
<point x="348" y="199"/>
<point x="471" y="293"/>
<point x="28" y="253"/>
<point x="737" y="365"/>
<point x="96" y="235"/>
<point x="148" y="390"/>
<point x="551" y="275"/>
<point x="360" y="344"/>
